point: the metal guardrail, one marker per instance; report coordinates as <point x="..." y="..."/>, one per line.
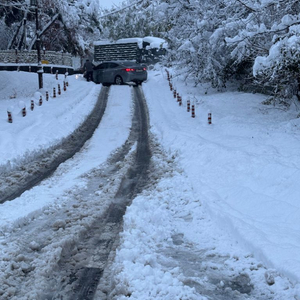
<point x="30" y="57"/>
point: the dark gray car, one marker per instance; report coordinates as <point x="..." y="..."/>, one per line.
<point x="119" y="72"/>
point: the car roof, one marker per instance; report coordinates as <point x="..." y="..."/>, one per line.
<point x="122" y="62"/>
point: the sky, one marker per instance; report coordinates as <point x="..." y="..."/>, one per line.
<point x="109" y="3"/>
<point x="223" y="213"/>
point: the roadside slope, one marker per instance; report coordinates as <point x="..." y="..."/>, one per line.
<point x="47" y="124"/>
<point x="244" y="166"/>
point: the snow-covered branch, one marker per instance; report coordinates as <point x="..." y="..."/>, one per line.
<point x="44" y="29"/>
<point x="120" y="10"/>
<point x="247" y="6"/>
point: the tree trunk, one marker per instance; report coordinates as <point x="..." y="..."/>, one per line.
<point x="46" y="27"/>
<point x="22" y="43"/>
<point x="13" y="40"/>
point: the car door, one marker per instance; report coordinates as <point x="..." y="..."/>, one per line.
<point x="110" y="72"/>
<point x="99" y="73"/>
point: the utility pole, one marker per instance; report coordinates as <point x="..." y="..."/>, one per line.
<point x="34" y="3"/>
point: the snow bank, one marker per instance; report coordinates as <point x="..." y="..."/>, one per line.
<point x="244" y="166"/>
<point x="47" y="124"/>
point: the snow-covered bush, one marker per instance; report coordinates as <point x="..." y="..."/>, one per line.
<point x="281" y="66"/>
<point x="252" y="41"/>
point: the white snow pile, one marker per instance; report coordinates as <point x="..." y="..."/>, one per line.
<point x="154" y="42"/>
<point x="48" y="123"/>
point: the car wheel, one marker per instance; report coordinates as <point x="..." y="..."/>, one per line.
<point x="118" y="80"/>
<point x="139" y="83"/>
<point x="97" y="81"/>
<point x="105" y="84"/>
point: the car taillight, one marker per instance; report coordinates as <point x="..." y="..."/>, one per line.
<point x="144" y="69"/>
<point x="129" y="69"/>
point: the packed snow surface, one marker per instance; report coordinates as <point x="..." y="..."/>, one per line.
<point x="227" y="190"/>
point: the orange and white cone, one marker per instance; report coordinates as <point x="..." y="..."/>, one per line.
<point x="24" y="111"/>
<point x="174" y="93"/>
<point x="209" y="118"/>
<point x="9" y="115"/>
<point x="179" y="99"/>
<point x="193" y="111"/>
<point x="188" y="105"/>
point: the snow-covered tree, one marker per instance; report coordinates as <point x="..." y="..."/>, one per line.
<point x="69" y="25"/>
<point x="249" y="41"/>
<point x="135" y="19"/>
<point x="216" y="41"/>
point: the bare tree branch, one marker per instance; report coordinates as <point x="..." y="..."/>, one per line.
<point x="247" y="6"/>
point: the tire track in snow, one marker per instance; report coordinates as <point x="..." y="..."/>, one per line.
<point x="79" y="280"/>
<point x="44" y="165"/>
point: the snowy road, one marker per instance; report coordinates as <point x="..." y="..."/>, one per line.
<point x="13" y="184"/>
<point x="80" y="279"/>
<point x="64" y="239"/>
<point x="69" y="275"/>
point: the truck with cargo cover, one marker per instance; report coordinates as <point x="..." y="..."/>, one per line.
<point x="145" y="50"/>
